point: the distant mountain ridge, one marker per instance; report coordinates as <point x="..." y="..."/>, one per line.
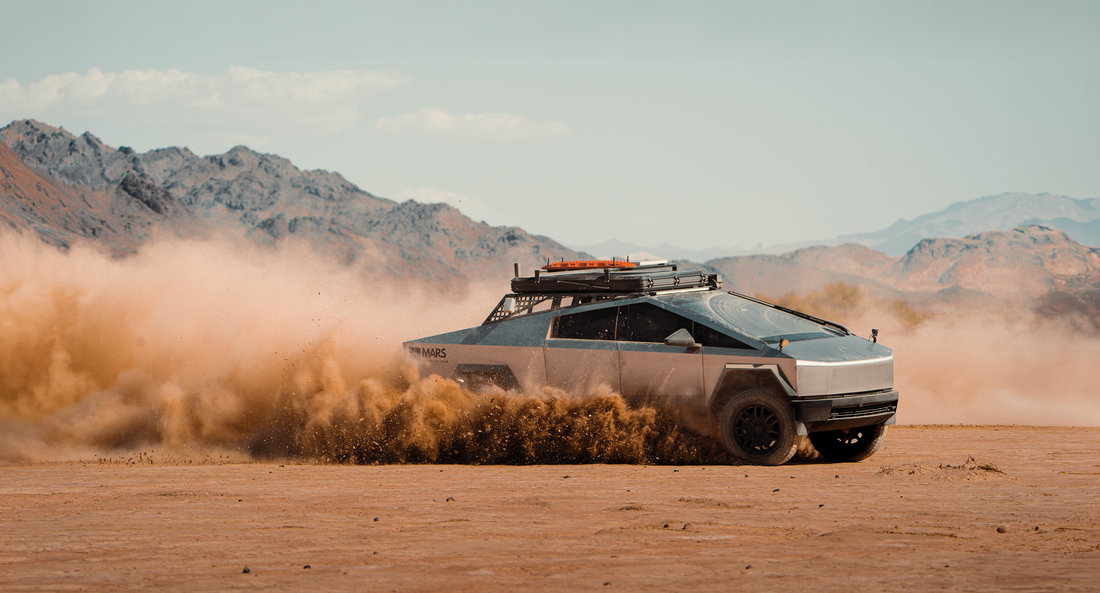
<point x="69" y="189"/>
<point x="1080" y="218"/>
<point x="260" y="196"/>
<point x="1014" y="266"/>
<point x="997" y="213"/>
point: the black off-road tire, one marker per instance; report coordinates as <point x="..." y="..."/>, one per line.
<point x="758" y="426"/>
<point x="850" y="444"/>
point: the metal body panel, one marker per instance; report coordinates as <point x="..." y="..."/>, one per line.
<point x="831" y="378"/>
<point x="836" y="349"/>
<point x="647" y="369"/>
<point x="715" y="366"/>
<point x="582" y="366"/>
<point x="526" y="363"/>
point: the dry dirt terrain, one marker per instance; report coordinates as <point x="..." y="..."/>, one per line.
<point x="1023" y="515"/>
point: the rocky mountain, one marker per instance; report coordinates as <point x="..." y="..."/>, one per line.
<point x="1031" y="260"/>
<point x="1014" y="266"/>
<point x="242" y="192"/>
<point x="1087" y="232"/>
<point x="120" y="219"/>
<point x="70" y="189"/>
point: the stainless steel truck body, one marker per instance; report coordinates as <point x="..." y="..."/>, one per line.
<point x="765" y="373"/>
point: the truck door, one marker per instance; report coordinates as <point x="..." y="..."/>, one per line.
<point x="581" y="354"/>
<point x="649" y="368"/>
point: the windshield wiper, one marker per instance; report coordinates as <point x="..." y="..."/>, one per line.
<point x="818" y="320"/>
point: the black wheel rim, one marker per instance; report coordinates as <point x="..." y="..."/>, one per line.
<point x="849" y="437"/>
<point x="756" y="429"/>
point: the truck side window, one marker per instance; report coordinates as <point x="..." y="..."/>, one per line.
<point x="643" y="322"/>
<point x="598" y="324"/>
<point x="716" y="339"/>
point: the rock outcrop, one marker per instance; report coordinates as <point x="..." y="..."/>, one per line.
<point x="1028" y="261"/>
<point x="62" y="214"/>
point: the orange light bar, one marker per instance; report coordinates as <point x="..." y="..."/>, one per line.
<point x="588" y="264"/>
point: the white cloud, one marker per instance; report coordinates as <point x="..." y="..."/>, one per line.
<point x="329" y="100"/>
<point x="475" y="208"/>
<point x="483" y="126"/>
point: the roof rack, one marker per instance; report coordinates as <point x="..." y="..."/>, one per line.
<point x="547" y="291"/>
<point x="644" y="277"/>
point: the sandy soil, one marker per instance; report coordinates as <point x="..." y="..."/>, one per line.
<point x="903" y="520"/>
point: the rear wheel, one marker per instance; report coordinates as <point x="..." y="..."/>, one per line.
<point x="481" y="377"/>
<point x="850" y="444"/>
<point x="758" y="426"/>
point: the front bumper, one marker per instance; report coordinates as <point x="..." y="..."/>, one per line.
<point x="846" y="411"/>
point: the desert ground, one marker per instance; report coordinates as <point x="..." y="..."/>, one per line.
<point x="990" y="508"/>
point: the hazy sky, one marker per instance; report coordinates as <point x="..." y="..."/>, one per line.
<point x="702" y="124"/>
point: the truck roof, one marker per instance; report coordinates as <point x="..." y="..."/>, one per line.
<point x="614" y="280"/>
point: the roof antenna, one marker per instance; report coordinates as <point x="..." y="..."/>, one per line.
<point x="515" y="266"/>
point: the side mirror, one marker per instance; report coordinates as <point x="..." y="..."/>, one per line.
<point x="682" y="338"/>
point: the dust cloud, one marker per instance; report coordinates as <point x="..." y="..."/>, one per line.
<point x="212" y="347"/>
<point x="981" y="369"/>
<point x="219" y="347"/>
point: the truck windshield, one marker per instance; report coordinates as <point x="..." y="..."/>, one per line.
<point x="751" y="318"/>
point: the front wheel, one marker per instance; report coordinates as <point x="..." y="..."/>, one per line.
<point x="758" y="426"/>
<point x="850" y="444"/>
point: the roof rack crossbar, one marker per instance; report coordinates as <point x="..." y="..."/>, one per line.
<point x="652" y="279"/>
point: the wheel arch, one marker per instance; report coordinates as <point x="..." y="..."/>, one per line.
<point x="737" y="378"/>
<point x="476" y="376"/>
